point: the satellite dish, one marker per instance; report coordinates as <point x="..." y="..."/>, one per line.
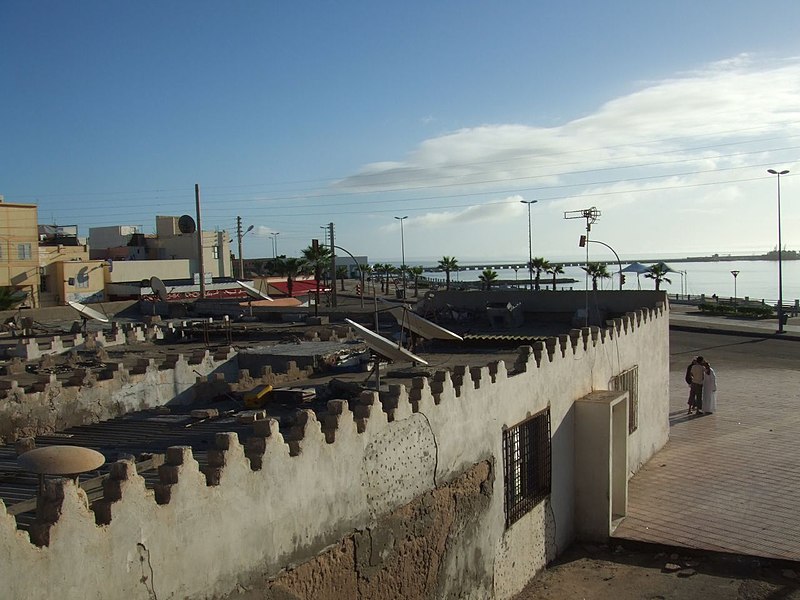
<point x="251" y="291"/>
<point x="61" y="460"/>
<point x="423" y="327"/>
<point x="386" y="348"/>
<point x="158" y="287"/>
<point x="88" y="313"/>
<point x="186" y="224"/>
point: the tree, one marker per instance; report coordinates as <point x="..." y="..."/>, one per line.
<point x="341" y="273"/>
<point x="538" y="264"/>
<point x="377" y="270"/>
<point x="10" y="298"/>
<point x="416" y="272"/>
<point x="448" y="264"/>
<point x="487" y="277"/>
<point x="388" y="271"/>
<point x="596" y="271"/>
<point x="290" y="268"/>
<point x="555" y="271"/>
<point x="658" y="272"/>
<point x="318" y="260"/>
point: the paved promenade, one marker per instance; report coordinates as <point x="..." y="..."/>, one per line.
<point x="730" y="481"/>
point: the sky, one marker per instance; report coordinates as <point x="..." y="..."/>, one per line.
<point x="293" y="115"/>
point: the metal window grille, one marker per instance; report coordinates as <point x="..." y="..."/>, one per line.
<point x="628" y="381"/>
<point x="526" y="465"/>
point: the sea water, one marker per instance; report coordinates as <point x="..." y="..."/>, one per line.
<point x="756" y="279"/>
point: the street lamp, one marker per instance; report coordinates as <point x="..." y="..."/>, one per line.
<point x="403" y="252"/>
<point x="530" y="243"/>
<point x="585" y="241"/>
<point x="274" y="237"/>
<point x="780" y="255"/>
<point x="735" y="295"/>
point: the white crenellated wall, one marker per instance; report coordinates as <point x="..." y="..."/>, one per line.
<point x="279" y="502"/>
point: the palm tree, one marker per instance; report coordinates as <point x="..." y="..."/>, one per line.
<point x="290" y="268"/>
<point x="447" y="264"/>
<point x="377" y="270"/>
<point x="487" y="277"/>
<point x="318" y="260"/>
<point x="9" y="297"/>
<point x="416" y="272"/>
<point x="388" y="270"/>
<point x="538" y="264"/>
<point x="658" y="272"/>
<point x="341" y="273"/>
<point x="596" y="271"/>
<point x="555" y="270"/>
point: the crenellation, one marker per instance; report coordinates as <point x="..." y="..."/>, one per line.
<point x="563" y="344"/>
<point x="475" y="375"/>
<point x="457" y="376"/>
<point x="421" y="395"/>
<point x="305" y="430"/>
<point x="334" y="419"/>
<point x="586" y="333"/>
<point x="538" y="347"/>
<point x="497" y="370"/>
<point x="441" y="382"/>
<point x="395" y="402"/>
<point x="574" y="338"/>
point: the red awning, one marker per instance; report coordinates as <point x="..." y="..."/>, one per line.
<point x="299" y="288"/>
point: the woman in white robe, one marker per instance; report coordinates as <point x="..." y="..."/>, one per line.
<point x="709" y="390"/>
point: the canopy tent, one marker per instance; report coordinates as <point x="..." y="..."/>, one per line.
<point x="636" y="267"/>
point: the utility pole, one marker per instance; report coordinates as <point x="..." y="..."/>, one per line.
<point x="239" y="237"/>
<point x="200" y="241"/>
<point x="333" y="265"/>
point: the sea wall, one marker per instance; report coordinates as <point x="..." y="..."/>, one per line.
<point x="398" y="488"/>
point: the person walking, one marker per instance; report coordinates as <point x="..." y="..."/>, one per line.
<point x="694" y="377"/>
<point x="709" y="389"/>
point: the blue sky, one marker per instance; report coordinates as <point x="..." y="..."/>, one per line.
<point x="296" y="114"/>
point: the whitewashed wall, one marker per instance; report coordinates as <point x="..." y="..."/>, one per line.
<point x="196" y="540"/>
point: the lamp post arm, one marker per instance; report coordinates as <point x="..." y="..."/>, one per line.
<point x="360" y="271"/>
<point x="619" y="263"/>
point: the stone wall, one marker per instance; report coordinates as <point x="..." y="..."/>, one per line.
<point x="85" y="397"/>
<point x="372" y="495"/>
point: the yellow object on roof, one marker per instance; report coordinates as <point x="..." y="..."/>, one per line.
<point x="257" y="397"/>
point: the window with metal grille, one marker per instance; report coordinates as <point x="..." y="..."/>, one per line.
<point x="526" y="465"/>
<point x="628" y="381"/>
<point x="24" y="251"/>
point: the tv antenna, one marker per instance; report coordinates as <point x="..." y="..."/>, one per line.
<point x="591" y="215"/>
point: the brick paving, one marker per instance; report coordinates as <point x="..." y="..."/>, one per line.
<point x="727" y="482"/>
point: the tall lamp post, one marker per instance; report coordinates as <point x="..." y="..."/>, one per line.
<point x="274" y="236"/>
<point x="403" y="253"/>
<point x="735" y="295"/>
<point x="530" y="243"/>
<point x="780" y="255"/>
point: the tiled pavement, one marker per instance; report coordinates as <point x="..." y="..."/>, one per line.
<point x="730" y="481"/>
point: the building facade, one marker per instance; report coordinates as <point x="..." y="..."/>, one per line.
<point x="19" y="251"/>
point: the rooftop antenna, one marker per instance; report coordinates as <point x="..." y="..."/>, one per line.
<point x="591" y="215"/>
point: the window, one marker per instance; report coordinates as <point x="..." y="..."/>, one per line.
<point x="526" y="465"/>
<point x="24" y="251"/>
<point x="628" y="381"/>
<point x="215" y="251"/>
